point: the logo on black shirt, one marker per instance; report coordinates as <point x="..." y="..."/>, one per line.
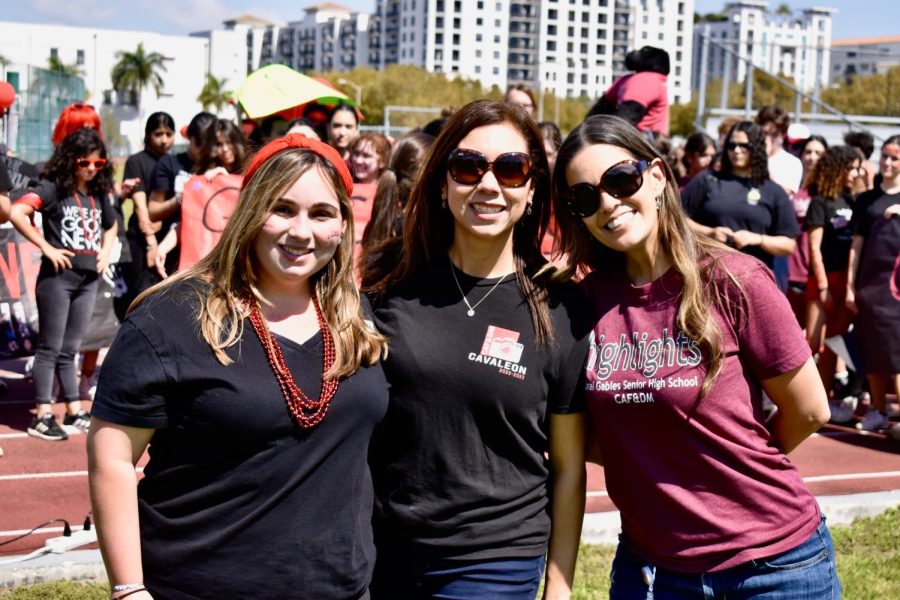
<point x="501" y="349"/>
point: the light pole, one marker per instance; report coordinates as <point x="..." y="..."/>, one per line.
<point x="355" y="86"/>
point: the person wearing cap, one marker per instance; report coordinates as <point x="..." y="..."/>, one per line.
<point x="258" y="387"/>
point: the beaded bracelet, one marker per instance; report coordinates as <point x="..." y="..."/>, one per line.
<point x="124" y="587"/>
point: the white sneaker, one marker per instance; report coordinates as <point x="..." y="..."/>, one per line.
<point x="843" y="411"/>
<point x="874" y="421"/>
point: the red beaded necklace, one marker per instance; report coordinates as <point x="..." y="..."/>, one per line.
<point x="307" y="412"/>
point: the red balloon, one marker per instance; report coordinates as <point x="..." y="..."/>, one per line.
<point x="7" y="95"/>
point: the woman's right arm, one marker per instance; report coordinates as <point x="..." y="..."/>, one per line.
<point x="817" y="265"/>
<point x="852" y="266"/>
<point x="159" y="208"/>
<point x="113" y="450"/>
<point x="20" y="217"/>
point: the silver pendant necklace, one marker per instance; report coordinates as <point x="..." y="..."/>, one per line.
<point x="471" y="311"/>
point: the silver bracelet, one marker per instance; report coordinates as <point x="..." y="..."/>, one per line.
<point x="124" y="587"/>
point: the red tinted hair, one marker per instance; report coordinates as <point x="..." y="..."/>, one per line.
<point x="74" y="117"/>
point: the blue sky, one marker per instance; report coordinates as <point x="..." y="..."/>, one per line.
<point x="855" y="18"/>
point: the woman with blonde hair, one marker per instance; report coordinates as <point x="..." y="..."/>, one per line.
<point x="257" y="390"/>
<point x="687" y="334"/>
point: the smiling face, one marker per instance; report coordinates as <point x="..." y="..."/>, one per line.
<point x="889" y="164"/>
<point x="365" y="162"/>
<point x="628" y="224"/>
<point x="300" y="235"/>
<point x="224" y="150"/>
<point x="486" y="210"/>
<point x="85" y="174"/>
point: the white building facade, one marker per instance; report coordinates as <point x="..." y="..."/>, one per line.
<point x="864" y="56"/>
<point x="95" y="51"/>
<point x="797" y="45"/>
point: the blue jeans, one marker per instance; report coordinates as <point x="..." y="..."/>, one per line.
<point x="806" y="572"/>
<point x="406" y="576"/>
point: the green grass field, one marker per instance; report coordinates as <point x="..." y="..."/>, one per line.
<point x="868" y="557"/>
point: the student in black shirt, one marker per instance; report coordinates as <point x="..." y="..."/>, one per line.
<point x="830" y="234"/>
<point x="5" y="187"/>
<point x="159" y="135"/>
<point x="254" y="380"/>
<point x="739" y="205"/>
<point x="78" y="212"/>
<point x="485" y="365"/>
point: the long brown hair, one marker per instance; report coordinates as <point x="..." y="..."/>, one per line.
<point x="695" y="257"/>
<point x="230" y="269"/>
<point x="428" y="228"/>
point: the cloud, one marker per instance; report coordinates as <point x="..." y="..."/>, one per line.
<point x="189" y="15"/>
<point x="74" y="11"/>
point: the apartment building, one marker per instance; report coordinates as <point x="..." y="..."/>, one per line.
<point x="794" y="44"/>
<point x="573" y="47"/>
<point x="864" y="56"/>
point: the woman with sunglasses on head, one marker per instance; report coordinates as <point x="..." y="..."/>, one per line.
<point x="739" y="205"/>
<point x="873" y="279"/>
<point x="257" y="394"/>
<point x="78" y="211"/>
<point x="687" y="335"/>
<point x="484" y="372"/>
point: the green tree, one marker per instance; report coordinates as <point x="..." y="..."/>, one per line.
<point x="213" y="93"/>
<point x="877" y="94"/>
<point x="136" y="70"/>
<point x="783" y="9"/>
<point x="55" y="65"/>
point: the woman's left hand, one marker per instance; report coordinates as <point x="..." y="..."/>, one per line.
<point x="128" y="186"/>
<point x="215" y="172"/>
<point x="744" y="238"/>
<point x="892" y="211"/>
<point x="102" y="261"/>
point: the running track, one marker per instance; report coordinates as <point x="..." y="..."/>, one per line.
<point x="42" y="480"/>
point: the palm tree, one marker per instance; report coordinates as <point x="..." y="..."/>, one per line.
<point x="55" y="65"/>
<point x="136" y="70"/>
<point x="214" y="94"/>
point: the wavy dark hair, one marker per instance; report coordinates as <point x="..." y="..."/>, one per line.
<point x="392" y="193"/>
<point x="695" y="257"/>
<point x="828" y="179"/>
<point x="759" y="159"/>
<point x="428" y="228"/>
<point x="61" y="167"/>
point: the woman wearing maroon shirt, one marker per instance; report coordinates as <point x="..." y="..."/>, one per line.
<point x="688" y="334"/>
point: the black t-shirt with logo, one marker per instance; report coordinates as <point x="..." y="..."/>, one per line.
<point x="75" y="222"/>
<point x="834" y="215"/>
<point x="716" y="199"/>
<point x="459" y="462"/>
<point x="5" y="182"/>
<point x="237" y="501"/>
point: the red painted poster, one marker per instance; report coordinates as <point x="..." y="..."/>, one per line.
<point x="20" y="261"/>
<point x="206" y="207"/>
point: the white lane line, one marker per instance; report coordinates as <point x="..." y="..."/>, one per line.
<point x="849" y="476"/>
<point x="58" y="474"/>
<point x="12" y="436"/>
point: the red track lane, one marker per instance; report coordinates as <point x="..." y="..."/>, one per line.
<point x="828" y="461"/>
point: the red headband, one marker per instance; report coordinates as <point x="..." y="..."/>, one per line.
<point x="298" y="140"/>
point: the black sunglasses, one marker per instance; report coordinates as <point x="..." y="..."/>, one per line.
<point x="512" y="169"/>
<point x="621" y="180"/>
<point x="735" y="145"/>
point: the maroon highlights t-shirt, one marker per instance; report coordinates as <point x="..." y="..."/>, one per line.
<point x="698" y="481"/>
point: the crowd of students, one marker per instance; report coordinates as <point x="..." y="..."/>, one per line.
<point x="391" y="368"/>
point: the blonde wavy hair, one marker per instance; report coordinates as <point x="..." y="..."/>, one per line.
<point x="696" y="258"/>
<point x="230" y="270"/>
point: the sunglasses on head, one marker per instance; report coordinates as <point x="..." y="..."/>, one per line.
<point x="467" y="167"/>
<point x="735" y="145"/>
<point x="621" y="180"/>
<point x="84" y="163"/>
